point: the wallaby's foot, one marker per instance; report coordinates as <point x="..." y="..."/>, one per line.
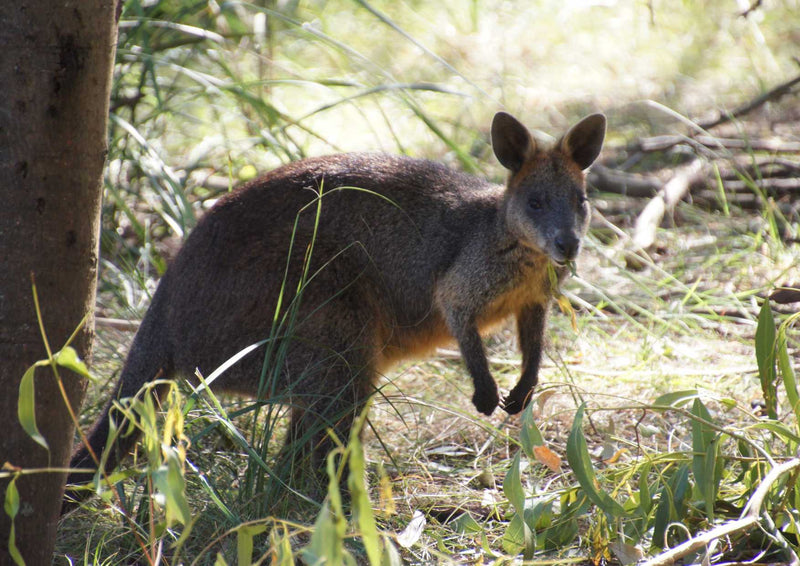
<point x="517" y="400"/>
<point x="486" y="400"/>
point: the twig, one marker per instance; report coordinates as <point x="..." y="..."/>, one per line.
<point x="774" y="176"/>
<point x="753" y="7"/>
<point x="118" y="324"/>
<point x="770" y="185"/>
<point x="771" y="95"/>
<point x="662" y="143"/>
<point x="750" y="518"/>
<point x="629" y="184"/>
<point x="644" y="234"/>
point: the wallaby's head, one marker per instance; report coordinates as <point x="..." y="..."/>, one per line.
<point x="545" y="203"/>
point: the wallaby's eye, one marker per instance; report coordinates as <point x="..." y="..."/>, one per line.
<point x="582" y="199"/>
<point x="535" y="202"/>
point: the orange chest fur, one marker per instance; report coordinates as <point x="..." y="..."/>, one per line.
<point x="531" y="286"/>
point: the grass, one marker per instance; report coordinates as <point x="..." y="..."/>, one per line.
<point x="201" y="107"/>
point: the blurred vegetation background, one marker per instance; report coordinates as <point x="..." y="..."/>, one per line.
<point x="206" y="92"/>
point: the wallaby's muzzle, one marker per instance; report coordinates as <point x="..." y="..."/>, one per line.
<point x="566" y="247"/>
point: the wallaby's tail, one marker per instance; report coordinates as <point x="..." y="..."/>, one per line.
<point x="150" y="358"/>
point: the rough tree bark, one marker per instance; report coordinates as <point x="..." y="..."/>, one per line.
<point x="55" y="71"/>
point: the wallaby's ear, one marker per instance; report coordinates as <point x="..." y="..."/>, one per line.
<point x="511" y="141"/>
<point x="584" y="140"/>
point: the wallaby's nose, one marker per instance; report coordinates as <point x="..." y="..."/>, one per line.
<point x="567" y="246"/>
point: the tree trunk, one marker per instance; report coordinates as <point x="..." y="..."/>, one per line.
<point x="55" y="71"/>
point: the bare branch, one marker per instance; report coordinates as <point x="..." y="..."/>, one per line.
<point x="644" y="234"/>
<point x="117" y="324"/>
<point x="629" y="184"/>
<point x="769" y="96"/>
<point x="662" y="143"/>
<point x="753" y="7"/>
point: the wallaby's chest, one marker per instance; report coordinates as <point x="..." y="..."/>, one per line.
<point x="527" y="283"/>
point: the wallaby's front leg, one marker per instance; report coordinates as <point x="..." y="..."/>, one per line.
<point x="530" y="325"/>
<point x="486" y="397"/>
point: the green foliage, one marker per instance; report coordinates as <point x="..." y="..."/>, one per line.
<point x="11" y="508"/>
<point x="702" y="488"/>
<point x="765" y="356"/>
<point x="581" y="464"/>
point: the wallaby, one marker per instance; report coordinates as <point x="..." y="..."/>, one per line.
<point x="406" y="255"/>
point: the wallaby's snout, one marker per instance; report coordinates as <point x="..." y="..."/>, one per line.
<point x="566" y="246"/>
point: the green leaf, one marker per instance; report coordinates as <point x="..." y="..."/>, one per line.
<point x="645" y="498"/>
<point x="360" y="503"/>
<point x="465" y="524"/>
<point x="391" y="557"/>
<point x="787" y="371"/>
<point x="327" y="541"/>
<point x="170" y="481"/>
<point x="26" y="406"/>
<point x="778" y="428"/>
<point x="581" y="464"/>
<point x="244" y="542"/>
<point x="11" y="507"/>
<point x="326" y="545"/>
<point x="514" y="538"/>
<point x="68" y="358"/>
<point x="530" y="436"/>
<point x="765" y="357"/>
<point x="704" y="458"/>
<point x="676" y="398"/>
<point x="670" y="505"/>
<point x="512" y="488"/>
<point x="281" y="543"/>
<point x="538" y="515"/>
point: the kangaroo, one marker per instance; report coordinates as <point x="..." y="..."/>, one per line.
<point x="405" y="255"/>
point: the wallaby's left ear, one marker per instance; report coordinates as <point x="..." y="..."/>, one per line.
<point x="584" y="140"/>
<point x="511" y="141"/>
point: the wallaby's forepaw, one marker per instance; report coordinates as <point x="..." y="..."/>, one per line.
<point x="516" y="401"/>
<point x="486" y="401"/>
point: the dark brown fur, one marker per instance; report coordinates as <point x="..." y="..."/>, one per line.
<point x="422" y="255"/>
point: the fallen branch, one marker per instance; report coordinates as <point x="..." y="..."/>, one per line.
<point x="769" y="175"/>
<point x="644" y="233"/>
<point x="771" y="95"/>
<point x="662" y="143"/>
<point x="117" y="324"/>
<point x="753" y="7"/>
<point x="629" y="184"/>
<point x="770" y="185"/>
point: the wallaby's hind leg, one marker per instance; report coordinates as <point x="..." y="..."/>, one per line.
<point x="321" y="420"/>
<point x="149" y="359"/>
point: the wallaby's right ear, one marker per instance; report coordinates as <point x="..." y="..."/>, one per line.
<point x="511" y="141"/>
<point x="584" y="140"/>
